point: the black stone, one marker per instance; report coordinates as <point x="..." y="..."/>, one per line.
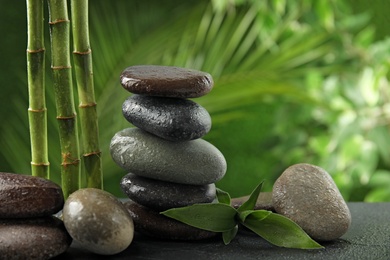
<point x="173" y="119"/>
<point x="152" y="223"/>
<point x="25" y="196"/>
<point x="33" y="238"/>
<point x="161" y="195"/>
<point x="166" y="81"/>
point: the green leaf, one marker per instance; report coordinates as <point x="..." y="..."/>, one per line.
<point x="251" y="202"/>
<point x="223" y="197"/>
<point x="229" y="235"/>
<point x="280" y="231"/>
<point x="216" y="217"/>
<point x="258" y="214"/>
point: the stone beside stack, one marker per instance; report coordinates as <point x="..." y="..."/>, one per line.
<point x="28" y="229"/>
<point x="168" y="163"/>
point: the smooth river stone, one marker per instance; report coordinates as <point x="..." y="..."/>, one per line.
<point x="308" y="195"/>
<point x="24" y="196"/>
<point x="152" y="223"/>
<point x="166" y="81"/>
<point x="33" y="238"/>
<point x="98" y="221"/>
<point x="162" y="195"/>
<point x="194" y="162"/>
<point x="173" y="119"/>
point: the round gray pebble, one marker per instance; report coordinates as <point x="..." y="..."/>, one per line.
<point x="308" y="195"/>
<point x="194" y="162"/>
<point x="162" y="195"/>
<point x="173" y="119"/>
<point x="98" y="221"/>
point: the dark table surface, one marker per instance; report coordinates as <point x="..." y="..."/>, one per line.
<point x="367" y="238"/>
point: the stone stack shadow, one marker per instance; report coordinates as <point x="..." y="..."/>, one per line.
<point x="168" y="163"/>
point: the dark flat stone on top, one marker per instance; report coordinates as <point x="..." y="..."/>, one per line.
<point x="368" y="238"/>
<point x="166" y="81"/>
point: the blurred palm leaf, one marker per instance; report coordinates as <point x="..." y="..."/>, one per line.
<point x="253" y="50"/>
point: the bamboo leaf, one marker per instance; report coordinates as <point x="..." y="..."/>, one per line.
<point x="223" y="197"/>
<point x="280" y="231"/>
<point x="229" y="235"/>
<point x="251" y="202"/>
<point x="216" y="217"/>
<point x="259" y="214"/>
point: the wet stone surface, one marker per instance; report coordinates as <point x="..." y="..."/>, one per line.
<point x="194" y="162"/>
<point x="23" y="196"/>
<point x="34" y="238"/>
<point x="173" y="119"/>
<point x="98" y="221"/>
<point x="166" y="81"/>
<point x="161" y="195"/>
<point x="308" y="195"/>
<point x="152" y="223"/>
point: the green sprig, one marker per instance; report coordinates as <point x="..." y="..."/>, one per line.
<point x="222" y="217"/>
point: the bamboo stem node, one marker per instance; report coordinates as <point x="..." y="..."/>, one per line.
<point x="92" y="104"/>
<point x="40" y="164"/>
<point x="60" y="67"/>
<point x="68" y="160"/>
<point x="57" y="21"/>
<point x="36" y="51"/>
<point x="89" y="51"/>
<point x="66" y="117"/>
<point x="98" y="153"/>
<point x="37" y="110"/>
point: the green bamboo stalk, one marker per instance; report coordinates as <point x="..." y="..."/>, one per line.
<point x="63" y="89"/>
<point x="82" y="58"/>
<point x="36" y="89"/>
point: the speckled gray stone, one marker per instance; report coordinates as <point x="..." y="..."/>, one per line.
<point x="162" y="195"/>
<point x="25" y="196"/>
<point x="308" y="195"/>
<point x="194" y="162"/>
<point x="166" y="81"/>
<point x="33" y="238"/>
<point x="152" y="223"/>
<point x="98" y="221"/>
<point x="173" y="119"/>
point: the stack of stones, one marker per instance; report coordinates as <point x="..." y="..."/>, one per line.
<point x="27" y="228"/>
<point x="168" y="163"/>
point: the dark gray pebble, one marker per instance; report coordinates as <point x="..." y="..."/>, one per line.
<point x="161" y="195"/>
<point x="173" y="119"/>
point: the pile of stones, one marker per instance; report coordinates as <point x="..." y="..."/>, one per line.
<point x="28" y="229"/>
<point x="168" y="163"/>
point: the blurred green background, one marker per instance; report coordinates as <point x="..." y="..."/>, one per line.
<point x="295" y="81"/>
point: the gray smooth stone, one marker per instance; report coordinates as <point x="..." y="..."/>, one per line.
<point x="33" y="238"/>
<point x="25" y="196"/>
<point x="162" y="195"/>
<point x="166" y="81"/>
<point x="308" y="195"/>
<point x="98" y="221"/>
<point x="152" y="223"/>
<point x="173" y="119"/>
<point x="194" y="162"/>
